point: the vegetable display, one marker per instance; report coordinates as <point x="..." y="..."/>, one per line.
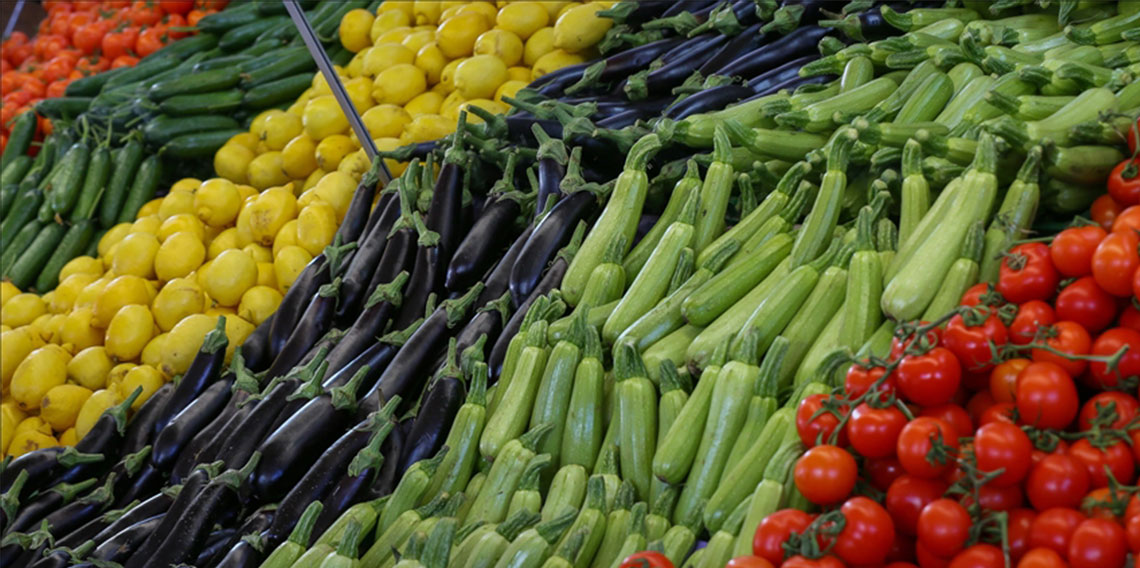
<point x="739" y="283"/>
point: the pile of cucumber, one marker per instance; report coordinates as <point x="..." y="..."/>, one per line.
<point x="121" y="137"/>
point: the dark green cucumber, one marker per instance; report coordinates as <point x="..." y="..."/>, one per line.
<point x="73" y="243"/>
<point x="269" y="57"/>
<point x="32" y="259"/>
<point x="143" y="188"/>
<point x="245" y="34"/>
<point x="18" y="244"/>
<point x="283" y="66"/>
<point x="221" y="102"/>
<point x="90" y="85"/>
<point x="222" y="62"/>
<point x="8" y="193"/>
<point x="68" y="180"/>
<point x="24" y="209"/>
<point x="163" y="129"/>
<point x="141" y="72"/>
<point x="221" y="22"/>
<point x="183" y="48"/>
<point x="63" y="107"/>
<point x="199" y="144"/>
<point x="277" y="92"/>
<point x="126" y="164"/>
<point x="23" y="129"/>
<point x="15" y="171"/>
<point x="98" y="172"/>
<point x="195" y="83"/>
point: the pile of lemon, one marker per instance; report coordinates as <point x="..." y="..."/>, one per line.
<point x="417" y="65"/>
<point x="137" y="315"/>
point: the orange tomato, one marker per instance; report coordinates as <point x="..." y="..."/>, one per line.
<point x="57" y="68"/>
<point x="117" y="44"/>
<point x="124" y="61"/>
<point x="150" y="41"/>
<point x="46" y="46"/>
<point x="142" y="13"/>
<point x="76" y="21"/>
<point x="89" y="37"/>
<point x="45" y="125"/>
<point x="33" y="87"/>
<point x="193" y="17"/>
<point x="56" y="89"/>
<point x="176" y="6"/>
<point x="172" y="22"/>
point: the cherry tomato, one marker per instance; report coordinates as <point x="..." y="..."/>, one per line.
<point x="1124" y="406"/>
<point x="1046" y="396"/>
<point x="978" y="405"/>
<point x="1031" y="316"/>
<point x="1129" y="317"/>
<point x="927" y="559"/>
<point x="802" y="562"/>
<point x="1132" y="530"/>
<point x="1071" y="250"/>
<point x="150" y="40"/>
<point x="979" y="556"/>
<point x="1128" y="220"/>
<point x="906" y="498"/>
<point x="120" y="43"/>
<point x="1105" y="503"/>
<point x="867" y="534"/>
<point x="973" y="295"/>
<point x="1066" y="337"/>
<point x="1124" y="182"/>
<point x="748" y="562"/>
<point x="1115" y="260"/>
<point x="774" y="530"/>
<point x="1027" y="273"/>
<point x="1117" y="457"/>
<point x="825" y="474"/>
<point x="916" y="442"/>
<point x="1058" y="480"/>
<point x="650" y="559"/>
<point x="882" y="472"/>
<point x="813" y="425"/>
<point x="1019" y="522"/>
<point x="124" y="61"/>
<point x="997" y="498"/>
<point x="972" y="344"/>
<point x="1136" y="284"/>
<point x="859" y="380"/>
<point x="874" y="432"/>
<point x="953" y="414"/>
<point x="1042" y="558"/>
<point x="1097" y="543"/>
<point x="143" y="14"/>
<point x="1003" y="379"/>
<point x="1110" y="343"/>
<point x="1053" y="528"/>
<point x="944" y="527"/>
<point x="929" y="379"/>
<point x="1006" y="447"/>
<point x="1086" y="303"/>
<point x="930" y="338"/>
<point x="176" y="6"/>
<point x="1105" y="210"/>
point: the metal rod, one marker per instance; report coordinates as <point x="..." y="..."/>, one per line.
<point x="326" y="67"/>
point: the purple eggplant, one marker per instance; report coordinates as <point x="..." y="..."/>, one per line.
<point x="680" y="63"/>
<point x="438" y="408"/>
<point x="780" y="77"/>
<point x="202" y="372"/>
<point x="497" y="223"/>
<point x="31" y="513"/>
<point x="141" y="427"/>
<point x="358" y="275"/>
<point x="193" y="418"/>
<point x="120" y="519"/>
<point x="709" y="100"/>
<point x="216" y="543"/>
<point x="426" y="276"/>
<point x="553" y="233"/>
<point x="313" y="324"/>
<point x="187" y="497"/>
<point x="144" y="484"/>
<point x="74" y="515"/>
<point x="204" y="445"/>
<point x="61" y="556"/>
<point x="129" y="473"/>
<point x="748" y="40"/>
<point x="444" y="213"/>
<point x="399" y="256"/>
<point x="619" y="65"/>
<point x="316" y="274"/>
<point x="256" y="346"/>
<point x="246" y="536"/>
<point x="361" y="481"/>
<point x="550" y="280"/>
<point x="484" y="329"/>
<point x="119" y="546"/>
<point x="498" y="280"/>
<point x="357" y="215"/>
<point x="247" y="553"/>
<point x="775" y="54"/>
<point x="370" y="323"/>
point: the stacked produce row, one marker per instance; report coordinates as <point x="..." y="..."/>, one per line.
<point x="749" y="315"/>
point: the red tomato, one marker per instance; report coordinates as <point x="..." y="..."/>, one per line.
<point x="802" y="562"/>
<point x="57" y="68"/>
<point x="1124" y="406"/>
<point x="978" y="404"/>
<point x="1105" y="210"/>
<point x="1115" y="260"/>
<point x="1086" y="303"/>
<point x="1027" y="273"/>
<point x="860" y="379"/>
<point x="1019" y="523"/>
<point x="1071" y="250"/>
<point x="143" y="14"/>
<point x="826" y="474"/>
<point x="1097" y="543"/>
<point x="650" y="559"/>
<point x="150" y="41"/>
<point x="997" y="498"/>
<point x="929" y="379"/>
<point x="1053" y="528"/>
<point x="813" y="424"/>
<point x="1124" y="182"/>
<point x="1104" y="503"/>
<point x="944" y="527"/>
<point x="56" y="89"/>
<point x="882" y="472"/>
<point x="1066" y="337"/>
<point x="979" y="556"/>
<point x="176" y="6"/>
<point x="906" y="498"/>
<point x="867" y="534"/>
<point x="1046" y="396"/>
<point x="1003" y="379"/>
<point x="973" y="295"/>
<point x="774" y="530"/>
<point x="953" y="414"/>
<point x="1117" y="457"/>
<point x="901" y="565"/>
<point x="874" y="432"/>
<point x="742" y="562"/>
<point x="124" y="61"/>
<point x="1132" y="530"/>
<point x="1003" y="446"/>
<point x="119" y="44"/>
<point x="1110" y="343"/>
<point x="1058" y="480"/>
<point x="931" y="338"/>
<point x="1031" y="316"/>
<point x="1042" y="558"/>
<point x="927" y="559"/>
<point x="1136" y="284"/>
<point x="916" y="441"/>
<point x="972" y="344"/>
<point x="1129" y="317"/>
<point x="1128" y="220"/>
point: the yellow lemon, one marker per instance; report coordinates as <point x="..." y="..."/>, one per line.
<point x="456" y="35"/>
<point x="354" y="29"/>
<point x="580" y="27"/>
<point x="90" y="367"/>
<point x="183" y="342"/>
<point x="225" y="240"/>
<point x="249" y="139"/>
<point x="135" y="255"/>
<point x="79" y="330"/>
<point x="258" y="253"/>
<point x="176" y="202"/>
<point x="229" y="276"/>
<point x="237" y="330"/>
<point x="336" y="189"/>
<point x="181" y="223"/>
<point x="487" y="9"/>
<point x="509" y="89"/>
<point x="178" y="256"/>
<point x="30" y="441"/>
<point x="39" y="372"/>
<point x="217" y="201"/>
<point x="447" y="76"/>
<point x="150" y="207"/>
<point x="68" y="291"/>
<point x="479" y="76"/>
<point x="60" y="405"/>
<point x="8" y="291"/>
<point x="429" y="127"/>
<point x="449" y="109"/>
<point x="287" y="236"/>
<point x="424" y="103"/>
<point x="359" y="92"/>
<point x="523" y="18"/>
<point x="418" y="39"/>
<point x="394" y="35"/>
<point x="22" y="309"/>
<point x="554" y="61"/>
<point x="122" y="291"/>
<point x="288" y="264"/>
<point x="539" y="44"/>
<point x="143" y="377"/>
<point x="312" y="180"/>
<point x="269" y="212"/>
<point x="384" y="55"/>
<point x="332" y="150"/>
<point x="130" y="331"/>
<point x="279" y="129"/>
<point x="398" y="84"/>
<point x="504" y="45"/>
<point x="93" y="408"/>
<point x="298" y="158"/>
<point x="91" y="292"/>
<point x="178" y="299"/>
<point x="112" y="237"/>
<point x="30" y="423"/>
<point x="10" y="418"/>
<point x="485" y="104"/>
<point x="385" y="120"/>
<point x="426" y="11"/>
<point x="40" y="328"/>
<point x="267" y="170"/>
<point x="81" y="265"/>
<point x="117" y="373"/>
<point x="247" y="191"/>
<point x="68" y="437"/>
<point x="152" y="353"/>
<point x="323" y="118"/>
<point x="518" y="73"/>
<point x="355" y="164"/>
<point x="386" y="21"/>
<point x="431" y="60"/>
<point x="257" y="126"/>
<point x="148" y="224"/>
<point x="407" y="7"/>
<point x="258" y="303"/>
<point x="186" y="184"/>
<point x="266" y="276"/>
<point x="316" y="226"/>
<point x="231" y="161"/>
<point x="555" y="7"/>
<point x="15" y="345"/>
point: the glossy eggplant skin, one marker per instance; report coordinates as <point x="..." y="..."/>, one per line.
<point x="204" y="445"/>
<point x="193" y="418"/>
<point x="550" y="281"/>
<point x="189" y="496"/>
<point x="552" y="233"/>
<point x="357" y="215"/>
<point x="143" y="485"/>
<point x="498" y="280"/>
<point x="140" y="430"/>
<point x="315" y="275"/>
<point x="291" y="448"/>
<point x="429" y="429"/>
<point x="315" y="321"/>
<point x="255" y="349"/>
<point x="775" y="54"/>
<point x="203" y="371"/>
<point x="119" y="546"/>
<point x="155" y="505"/>
<point x="216" y="543"/>
<point x="399" y="256"/>
<point x="426" y="279"/>
<point x="747" y="40"/>
<point x="385" y="213"/>
<point x="709" y="100"/>
<point x="369" y="485"/>
<point x="681" y="61"/>
<point x="358" y="274"/>
<point x="483" y="243"/>
<point x="232" y="550"/>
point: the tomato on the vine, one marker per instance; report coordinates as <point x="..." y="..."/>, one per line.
<point x="882" y="472"/>
<point x="953" y="414"/>
<point x="650" y="559"/>
<point x="1123" y="406"/>
<point x="1031" y="316"/>
<point x="1104" y="211"/>
<point x="1027" y="273"/>
<point x="1110" y="343"/>
<point x="973" y="295"/>
<point x="1097" y="543"/>
<point x="867" y="533"/>
<point x="918" y="442"/>
<point x="943" y="527"/>
<point x="1053" y="528"/>
<point x="1086" y="303"/>
<point x="906" y="498"/>
<point x="774" y="530"/>
<point x="1130" y="316"/>
<point x="1046" y="396"/>
<point x="860" y="379"/>
<point x="1071" y="250"/>
<point x="874" y="432"/>
<point x="1124" y="182"/>
<point x="974" y="344"/>
<point x="1065" y="338"/>
<point x="932" y="337"/>
<point x="979" y="556"/>
<point x="825" y="474"/>
<point x="1132" y="531"/>
<point x="931" y="378"/>
<point x="1042" y="558"/>
<point x="1019" y="522"/>
<point x="815" y="425"/>
<point x="747" y="562"/>
<point x="1058" y="480"/>
<point x="1116" y="259"/>
<point x="1006" y="447"/>
<point x="1116" y="456"/>
<point x="1003" y="379"/>
<point x="804" y="562"/>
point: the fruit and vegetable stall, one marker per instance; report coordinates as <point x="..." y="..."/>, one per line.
<point x="554" y="284"/>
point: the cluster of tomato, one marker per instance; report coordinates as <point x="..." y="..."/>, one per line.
<point x="1011" y="427"/>
<point x="83" y="37"/>
<point x="1123" y="184"/>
